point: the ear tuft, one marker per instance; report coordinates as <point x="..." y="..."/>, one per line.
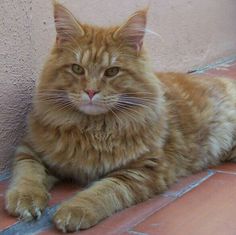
<point x="67" y="26"/>
<point x="133" y="31"/>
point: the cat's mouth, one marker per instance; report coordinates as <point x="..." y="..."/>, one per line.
<point x="93" y="109"/>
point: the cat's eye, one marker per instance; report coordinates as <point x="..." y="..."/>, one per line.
<point x="111" y="72"/>
<point x="78" y="69"/>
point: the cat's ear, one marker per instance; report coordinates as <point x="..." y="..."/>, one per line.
<point x="67" y="26"/>
<point x="133" y="31"/>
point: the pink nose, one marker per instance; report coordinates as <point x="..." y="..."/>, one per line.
<point x="91" y="93"/>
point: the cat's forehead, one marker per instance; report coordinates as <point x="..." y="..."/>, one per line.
<point x="95" y="55"/>
<point x="97" y="47"/>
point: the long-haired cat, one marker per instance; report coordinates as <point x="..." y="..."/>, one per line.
<point x="102" y="117"/>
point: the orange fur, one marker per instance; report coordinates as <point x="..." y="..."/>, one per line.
<point x="139" y="134"/>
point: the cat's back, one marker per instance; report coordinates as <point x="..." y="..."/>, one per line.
<point x="203" y="109"/>
<point x="191" y="82"/>
<point x="198" y="89"/>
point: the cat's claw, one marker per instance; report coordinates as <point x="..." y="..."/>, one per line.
<point x="27" y="206"/>
<point x="25" y="215"/>
<point x="38" y="212"/>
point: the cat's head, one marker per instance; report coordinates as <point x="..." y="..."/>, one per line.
<point x="95" y="70"/>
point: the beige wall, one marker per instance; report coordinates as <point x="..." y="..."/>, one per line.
<point x="191" y="33"/>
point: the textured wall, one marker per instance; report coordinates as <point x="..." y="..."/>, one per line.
<point x="16" y="72"/>
<point x="188" y="33"/>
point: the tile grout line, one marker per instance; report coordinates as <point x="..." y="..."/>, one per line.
<point x="146" y="216"/>
<point x="190" y="186"/>
<point x="225" y="172"/>
<point x="136" y="233"/>
<point x="175" y="197"/>
<point x="196" y="183"/>
<point x="34" y="227"/>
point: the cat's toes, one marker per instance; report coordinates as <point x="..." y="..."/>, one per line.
<point x="72" y="218"/>
<point x="27" y="204"/>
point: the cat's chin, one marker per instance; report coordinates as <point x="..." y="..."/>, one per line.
<point x="91" y="109"/>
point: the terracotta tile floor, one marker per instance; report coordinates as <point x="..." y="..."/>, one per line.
<point x="201" y="204"/>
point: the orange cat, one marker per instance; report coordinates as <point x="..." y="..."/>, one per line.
<point x="102" y="117"/>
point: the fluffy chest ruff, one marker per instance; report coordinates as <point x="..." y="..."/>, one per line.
<point x="86" y="155"/>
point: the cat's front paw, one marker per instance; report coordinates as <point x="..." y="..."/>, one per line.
<point x="25" y="202"/>
<point x="71" y="217"/>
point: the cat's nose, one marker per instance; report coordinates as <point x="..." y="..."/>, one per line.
<point x="91" y="93"/>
